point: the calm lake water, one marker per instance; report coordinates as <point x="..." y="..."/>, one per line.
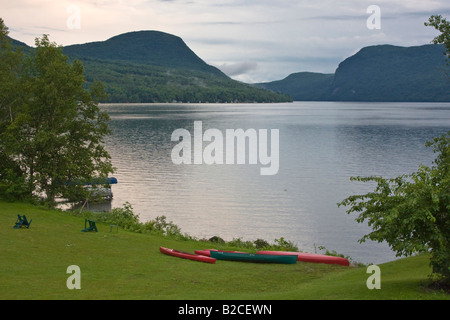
<point x="321" y="145"/>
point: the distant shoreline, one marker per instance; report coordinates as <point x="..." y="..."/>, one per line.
<point x="265" y="103"/>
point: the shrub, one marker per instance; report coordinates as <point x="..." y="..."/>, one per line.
<point x="411" y="212"/>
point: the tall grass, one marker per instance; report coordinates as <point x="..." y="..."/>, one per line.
<point x="124" y="217"/>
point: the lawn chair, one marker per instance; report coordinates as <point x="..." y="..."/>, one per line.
<point x="22" y="222"/>
<point x="92" y="226"/>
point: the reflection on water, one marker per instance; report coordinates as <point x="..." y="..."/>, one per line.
<point x="321" y="146"/>
<point x="99" y="206"/>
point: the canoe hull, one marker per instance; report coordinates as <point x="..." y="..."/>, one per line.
<point x="207" y="252"/>
<point x="310" y="257"/>
<point x="252" y="257"/>
<point x="185" y="255"/>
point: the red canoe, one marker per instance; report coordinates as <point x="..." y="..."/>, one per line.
<point x="207" y="252"/>
<point x="311" y="257"/>
<point x="186" y="255"/>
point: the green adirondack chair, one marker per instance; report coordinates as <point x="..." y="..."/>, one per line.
<point x="22" y="221"/>
<point x="92" y="226"/>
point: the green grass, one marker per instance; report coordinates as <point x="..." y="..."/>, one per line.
<point x="126" y="265"/>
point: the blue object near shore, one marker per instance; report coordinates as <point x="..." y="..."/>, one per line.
<point x="22" y="221"/>
<point x="92" y="226"/>
<point x="94" y="181"/>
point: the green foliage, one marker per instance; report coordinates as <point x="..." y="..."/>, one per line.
<point x="283" y="244"/>
<point x="260" y="244"/>
<point x="13" y="185"/>
<point x="11" y="87"/>
<point x="411" y="212"/>
<point x="135" y="82"/>
<point x="51" y="128"/>
<point x="152" y="66"/>
<point x="441" y="24"/>
<point x="239" y="243"/>
<point x="125" y="218"/>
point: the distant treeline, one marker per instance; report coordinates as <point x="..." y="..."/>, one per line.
<point x="129" y="82"/>
<point x="152" y="66"/>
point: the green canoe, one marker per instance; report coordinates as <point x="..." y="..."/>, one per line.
<point x="253" y="257"/>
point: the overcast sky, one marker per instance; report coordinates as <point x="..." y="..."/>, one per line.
<point x="250" y="40"/>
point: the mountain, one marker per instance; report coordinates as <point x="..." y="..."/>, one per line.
<point x="376" y="73"/>
<point x="303" y="86"/>
<point x="391" y="73"/>
<point x="153" y="66"/>
<point x="143" y="47"/>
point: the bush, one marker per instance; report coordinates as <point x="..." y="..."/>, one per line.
<point x="283" y="245"/>
<point x="261" y="243"/>
<point x="125" y="218"/>
<point x="411" y="212"/>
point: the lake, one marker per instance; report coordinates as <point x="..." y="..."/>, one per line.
<point x="321" y="145"/>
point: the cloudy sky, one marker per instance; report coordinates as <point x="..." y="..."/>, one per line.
<point x="250" y="40"/>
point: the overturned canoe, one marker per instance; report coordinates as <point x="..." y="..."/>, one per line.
<point x="253" y="257"/>
<point x="186" y="255"/>
<point x="310" y="257"/>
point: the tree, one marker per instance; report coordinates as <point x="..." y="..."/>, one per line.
<point x="442" y="25"/>
<point x="11" y="98"/>
<point x="55" y="133"/>
<point x="411" y="212"/>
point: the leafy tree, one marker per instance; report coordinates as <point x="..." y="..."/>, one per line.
<point x="11" y="98"/>
<point x="54" y="135"/>
<point x="441" y="24"/>
<point x="411" y="212"/>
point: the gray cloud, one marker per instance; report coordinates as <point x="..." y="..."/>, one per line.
<point x="238" y="68"/>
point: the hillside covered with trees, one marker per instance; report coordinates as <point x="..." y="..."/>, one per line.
<point x="376" y="73"/>
<point x="153" y="66"/>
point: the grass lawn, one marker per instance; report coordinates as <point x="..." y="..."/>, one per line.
<point x="126" y="265"/>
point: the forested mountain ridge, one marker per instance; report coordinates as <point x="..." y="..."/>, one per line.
<point x="303" y="86"/>
<point x="153" y="66"/>
<point x="153" y="48"/>
<point x="376" y="73"/>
